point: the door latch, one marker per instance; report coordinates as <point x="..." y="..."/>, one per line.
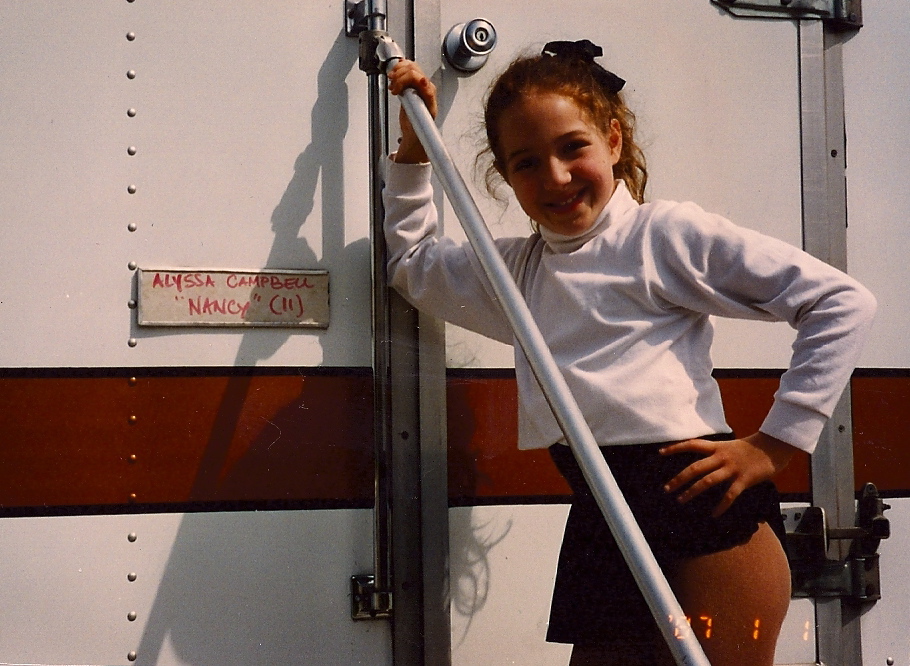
<point x="838" y="14"/>
<point x="855" y="578"/>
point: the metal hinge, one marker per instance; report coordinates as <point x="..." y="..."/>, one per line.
<point x="856" y="578"/>
<point x="367" y="601"/>
<point x="838" y="14"/>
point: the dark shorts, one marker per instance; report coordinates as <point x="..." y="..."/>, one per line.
<point x="595" y="599"/>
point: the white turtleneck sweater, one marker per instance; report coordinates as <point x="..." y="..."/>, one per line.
<point x="626" y="308"/>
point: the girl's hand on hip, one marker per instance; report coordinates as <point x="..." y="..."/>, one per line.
<point x="740" y="462"/>
<point x="407" y="74"/>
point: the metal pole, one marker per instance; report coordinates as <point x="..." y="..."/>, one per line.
<point x="409" y="583"/>
<point x="382" y="336"/>
<point x="661" y="600"/>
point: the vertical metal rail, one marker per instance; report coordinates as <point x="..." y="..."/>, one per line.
<point x="661" y="600"/>
<point x="410" y="519"/>
<point x="375" y="15"/>
<point x="423" y="30"/>
<point x="823" y="140"/>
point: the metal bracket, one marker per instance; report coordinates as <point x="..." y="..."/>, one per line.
<point x="839" y="14"/>
<point x="377" y="50"/>
<point x="368" y="602"/>
<point x="360" y="16"/>
<point x="856" y="578"/>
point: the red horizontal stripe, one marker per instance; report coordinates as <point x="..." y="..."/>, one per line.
<point x="87" y="440"/>
<point x="154" y="439"/>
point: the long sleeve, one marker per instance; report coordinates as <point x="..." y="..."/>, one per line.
<point x="436" y="274"/>
<point x="707" y="264"/>
<point x="627" y="313"/>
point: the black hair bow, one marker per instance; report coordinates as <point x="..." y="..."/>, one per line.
<point x="585" y="50"/>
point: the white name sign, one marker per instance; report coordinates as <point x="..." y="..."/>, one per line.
<point x="233" y="298"/>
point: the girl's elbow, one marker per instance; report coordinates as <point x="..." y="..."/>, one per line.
<point x="866" y="302"/>
<point x="860" y="307"/>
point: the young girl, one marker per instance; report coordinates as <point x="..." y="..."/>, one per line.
<point x="622" y="291"/>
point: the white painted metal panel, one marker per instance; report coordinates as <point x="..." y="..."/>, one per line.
<point x="231" y="589"/>
<point x="877" y="90"/>
<point x="885" y="632"/>
<point x="249" y="130"/>
<point x="502" y="568"/>
<point x="502" y="564"/>
<point x="717" y="104"/>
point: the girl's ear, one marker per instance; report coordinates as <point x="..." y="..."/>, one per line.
<point x="614" y="141"/>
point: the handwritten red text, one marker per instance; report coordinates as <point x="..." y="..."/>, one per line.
<point x="181" y="281"/>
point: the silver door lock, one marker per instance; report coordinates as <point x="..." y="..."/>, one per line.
<point x="467" y="45"/>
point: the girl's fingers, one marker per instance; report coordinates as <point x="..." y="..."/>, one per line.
<point x="730" y="462"/>
<point x="697" y="469"/>
<point x="707" y="481"/>
<point x="734" y="491"/>
<point x="689" y="445"/>
<point x="407" y="74"/>
<point x="704" y="475"/>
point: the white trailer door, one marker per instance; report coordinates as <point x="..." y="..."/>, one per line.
<point x="192" y="136"/>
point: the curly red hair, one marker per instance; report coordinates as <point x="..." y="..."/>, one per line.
<point x="574" y="79"/>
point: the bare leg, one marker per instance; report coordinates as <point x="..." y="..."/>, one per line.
<point x="743" y="593"/>
<point x="736" y="601"/>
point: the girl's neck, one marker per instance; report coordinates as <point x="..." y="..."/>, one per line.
<point x="564" y="243"/>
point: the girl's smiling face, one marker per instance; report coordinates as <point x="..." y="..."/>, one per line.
<point x="558" y="163"/>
